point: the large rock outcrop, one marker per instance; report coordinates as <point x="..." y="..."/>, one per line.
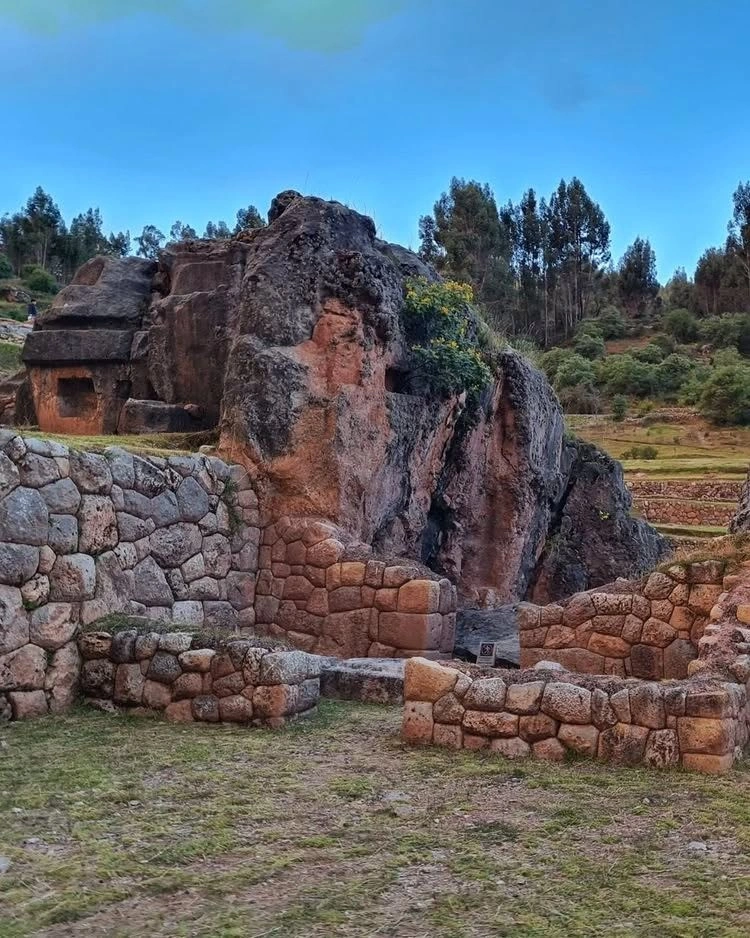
<point x="290" y="340"/>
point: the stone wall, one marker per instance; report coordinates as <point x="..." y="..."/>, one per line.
<point x="696" y="489"/>
<point x="698" y="724"/>
<point x="177" y="539"/>
<point x="236" y="682"/>
<point x="647" y="629"/>
<point x="684" y="511"/>
<point x="332" y="597"/>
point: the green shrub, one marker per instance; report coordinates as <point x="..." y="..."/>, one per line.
<point x="732" y="331"/>
<point x="651" y="354"/>
<point x="589" y="327"/>
<point x="611" y="323"/>
<point x="589" y="346"/>
<point x="6" y="269"/>
<point x="641" y="452"/>
<point x="624" y="374"/>
<point x="550" y="361"/>
<point x="580" y="399"/>
<point x="442" y="328"/>
<point x="575" y="369"/>
<point x="673" y="373"/>
<point x="38" y="280"/>
<point x="619" y="407"/>
<point x="725" y="397"/>
<point x="682" y="325"/>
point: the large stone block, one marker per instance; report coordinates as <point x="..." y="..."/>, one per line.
<point x="23" y="669"/>
<point x="18" y="563"/>
<point x="277" y="700"/>
<point x="52" y="626"/>
<point x="426" y="681"/>
<point x="23" y="518"/>
<point x="97" y="525"/>
<point x="583" y="740"/>
<point x="73" y="578"/>
<point x="62" y="678"/>
<point x="420" y="596"/>
<point x="481" y="723"/>
<point x="9" y="475"/>
<point x="63" y="534"/>
<point x="711" y="736"/>
<point x="567" y="703"/>
<point x="29" y="704"/>
<point x="129" y="681"/>
<point x="289" y="667"/>
<point x="410" y="630"/>
<point x="417" y="724"/>
<point x="623" y="744"/>
<point x="62" y="498"/>
<point x="486" y="694"/>
<point x="91" y="473"/>
<point x="150" y="584"/>
<point x="173" y="545"/>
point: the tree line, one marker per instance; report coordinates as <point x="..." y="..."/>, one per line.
<point x="543" y="265"/>
<point x="37" y="239"/>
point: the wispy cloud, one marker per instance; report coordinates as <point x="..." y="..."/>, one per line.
<point x="317" y="25"/>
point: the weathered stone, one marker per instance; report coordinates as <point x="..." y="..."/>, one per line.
<point x="73" y="578"/>
<point x="23" y="518"/>
<point x="220" y="616"/>
<point x="35" y="592"/>
<point x="658" y="633"/>
<point x="97" y="525"/>
<point x="486" y="694"/>
<point x="188" y="686"/>
<point x="662" y="749"/>
<point x="187" y="613"/>
<point x="9" y="475"/>
<point x="580" y="739"/>
<point x="91" y="473"/>
<point x="567" y="703"/>
<point x="157" y="696"/>
<point x="62" y="498"/>
<point x="192" y="500"/>
<point x="448" y="709"/>
<point x="426" y="681"/>
<point x="548" y="750"/>
<point x="524" y="698"/>
<point x="602" y="713"/>
<point x="132" y="528"/>
<point x="36" y="471"/>
<point x="420" y="596"/>
<point x="677" y="657"/>
<point x="608" y="645"/>
<point x="175" y="544"/>
<point x="513" y="748"/>
<point x="277" y="700"/>
<point x="658" y="586"/>
<point x="647" y="662"/>
<point x="536" y="726"/>
<point x="623" y="744"/>
<point x="482" y="723"/>
<point x="63" y="534"/>
<point x="417" y="725"/>
<point x="18" y="563"/>
<point x="204" y="589"/>
<point x="150" y="584"/>
<point x="450" y="736"/>
<point x="715" y="737"/>
<point x="206" y="709"/>
<point x="164" y="668"/>
<point x="123" y="646"/>
<point x="146" y="646"/>
<point x="95" y="644"/>
<point x="46" y="560"/>
<point x="647" y="706"/>
<point x="290" y="667"/>
<point x="710" y="764"/>
<point x="180" y="712"/>
<point x="129" y="683"/>
<point x="62" y="678"/>
<point x="198" y="659"/>
<point x="23" y="669"/>
<point x="97" y="678"/>
<point x="52" y="626"/>
<point x="28" y="705"/>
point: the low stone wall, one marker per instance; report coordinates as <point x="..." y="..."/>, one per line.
<point x="170" y="672"/>
<point x="696" y="489"/>
<point x="83" y="535"/>
<point x="647" y="629"/>
<point x="335" y="598"/>
<point x="698" y="724"/>
<point x="684" y="511"/>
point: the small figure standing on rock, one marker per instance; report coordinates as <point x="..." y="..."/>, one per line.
<point x="33" y="312"/>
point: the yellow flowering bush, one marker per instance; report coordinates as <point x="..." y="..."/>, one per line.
<point x="441" y="328"/>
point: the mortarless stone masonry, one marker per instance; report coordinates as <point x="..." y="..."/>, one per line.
<point x="181" y="539"/>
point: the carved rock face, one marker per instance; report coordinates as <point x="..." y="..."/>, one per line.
<point x="289" y="338"/>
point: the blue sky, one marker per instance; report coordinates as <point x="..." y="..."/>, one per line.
<point x="209" y="105"/>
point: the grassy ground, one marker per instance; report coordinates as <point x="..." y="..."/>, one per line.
<point x="154" y="444"/>
<point x="10" y="358"/>
<point x="332" y="828"/>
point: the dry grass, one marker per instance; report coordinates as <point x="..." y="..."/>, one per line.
<point x="154" y="444"/>
<point x="120" y="828"/>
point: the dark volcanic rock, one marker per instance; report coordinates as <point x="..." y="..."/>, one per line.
<point x="290" y="340"/>
<point x="740" y="524"/>
<point x="488" y="625"/>
<point x="592" y="538"/>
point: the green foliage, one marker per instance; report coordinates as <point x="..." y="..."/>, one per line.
<point x="10" y="358"/>
<point x="673" y="373"/>
<point x="641" y="452"/>
<point x="440" y="325"/>
<point x="651" y="354"/>
<point x="580" y="399"/>
<point x="619" y="407"/>
<point x="731" y="331"/>
<point x="725" y="397"/>
<point x="681" y="324"/>
<point x="575" y="370"/>
<point x="637" y="281"/>
<point x="624" y="374"/>
<point x="589" y="346"/>
<point x="611" y="323"/>
<point x="37" y="280"/>
<point x="551" y="361"/>
<point x="6" y="268"/>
